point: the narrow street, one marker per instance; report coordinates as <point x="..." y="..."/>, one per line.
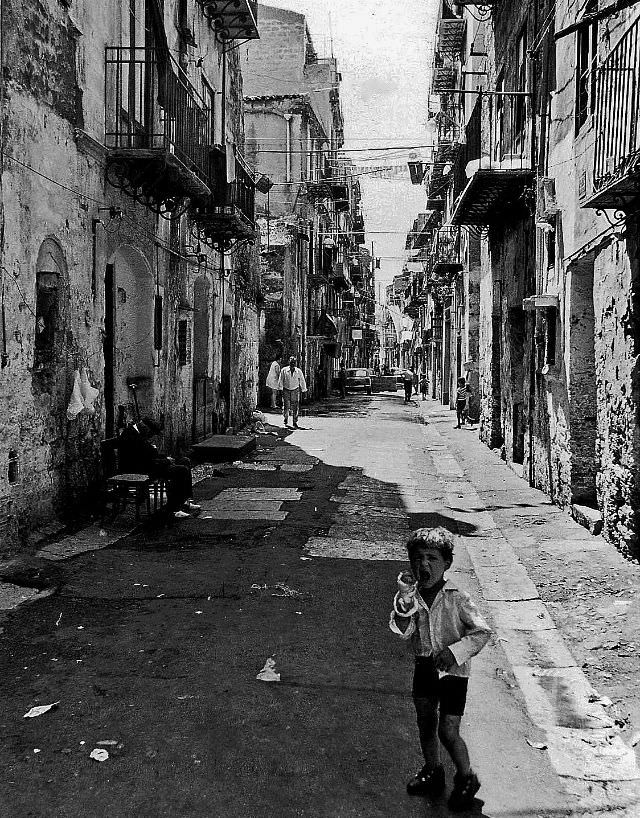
<point x="151" y="645"/>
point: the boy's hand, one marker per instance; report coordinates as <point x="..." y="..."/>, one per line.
<point x="406" y="587"/>
<point x="445" y="659"/>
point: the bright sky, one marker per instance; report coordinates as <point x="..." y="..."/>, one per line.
<point x="384" y="49"/>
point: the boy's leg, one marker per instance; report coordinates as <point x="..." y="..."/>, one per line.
<point x="427" y="718"/>
<point x="453" y="696"/>
<point x="449" y="734"/>
<point x="285" y="405"/>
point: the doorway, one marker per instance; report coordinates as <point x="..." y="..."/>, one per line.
<point x="202" y="385"/>
<point x="129" y="337"/>
<point x="225" y="375"/>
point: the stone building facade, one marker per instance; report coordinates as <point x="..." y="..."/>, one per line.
<point x="125" y="244"/>
<point x="535" y="108"/>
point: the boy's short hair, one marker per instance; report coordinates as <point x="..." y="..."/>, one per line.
<point x="438" y="538"/>
<point x="462" y="381"/>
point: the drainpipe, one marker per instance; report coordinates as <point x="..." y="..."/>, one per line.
<point x="288" y="119"/>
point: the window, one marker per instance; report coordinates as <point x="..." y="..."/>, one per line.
<point x="498" y="147"/>
<point x="184" y="343"/>
<point x="587" y="46"/>
<point x="47" y="314"/>
<point x="551" y="317"/>
<point x="520" y="112"/>
<point x="157" y="322"/>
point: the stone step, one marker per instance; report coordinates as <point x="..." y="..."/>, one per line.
<point x="222" y="448"/>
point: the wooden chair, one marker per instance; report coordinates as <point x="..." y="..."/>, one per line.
<point x="125" y="487"/>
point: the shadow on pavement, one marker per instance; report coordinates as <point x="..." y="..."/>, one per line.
<point x="152" y="647"/>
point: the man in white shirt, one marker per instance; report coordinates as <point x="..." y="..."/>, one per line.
<point x="273" y="381"/>
<point x="292" y="383"/>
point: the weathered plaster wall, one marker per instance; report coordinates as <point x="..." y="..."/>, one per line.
<point x="616" y="299"/>
<point x="56" y="460"/>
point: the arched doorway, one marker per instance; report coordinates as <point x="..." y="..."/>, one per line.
<point x="129" y="337"/>
<point x="203" y="397"/>
<point x="52" y="372"/>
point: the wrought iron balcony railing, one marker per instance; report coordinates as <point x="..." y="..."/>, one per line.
<point x="157" y="127"/>
<point x="496" y="163"/>
<point x="228" y="214"/>
<point x="616" y="173"/>
<point x="232" y="19"/>
<point x="447" y="252"/>
<point x="451" y="34"/>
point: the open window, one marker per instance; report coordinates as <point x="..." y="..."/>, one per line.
<point x="587" y="48"/>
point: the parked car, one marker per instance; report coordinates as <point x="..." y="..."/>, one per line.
<point x="359" y="379"/>
<point x="399" y="376"/>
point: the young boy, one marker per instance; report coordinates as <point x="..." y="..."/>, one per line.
<point x="462" y="396"/>
<point x="446" y="630"/>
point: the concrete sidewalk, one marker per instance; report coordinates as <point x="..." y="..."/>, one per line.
<point x="565" y="603"/>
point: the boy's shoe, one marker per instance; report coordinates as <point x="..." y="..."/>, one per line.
<point x="180" y="515"/>
<point x="427" y="782"/>
<point x="464" y="790"/>
<point x="189" y="506"/>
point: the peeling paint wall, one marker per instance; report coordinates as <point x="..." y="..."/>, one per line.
<point x="54" y="190"/>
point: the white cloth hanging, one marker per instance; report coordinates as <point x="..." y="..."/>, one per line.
<point x="89" y="393"/>
<point x="75" y="403"/>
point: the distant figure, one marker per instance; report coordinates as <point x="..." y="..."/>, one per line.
<point x="273" y="381"/>
<point x="293" y="385"/>
<point x="445" y="629"/>
<point x="462" y="402"/>
<point x="408" y="385"/>
<point x="422" y="383"/>
<point x="342" y="380"/>
<point x="386" y="370"/>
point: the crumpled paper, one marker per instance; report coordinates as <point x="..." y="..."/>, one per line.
<point x="268" y="673"/>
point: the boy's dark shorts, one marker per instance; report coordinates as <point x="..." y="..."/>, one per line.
<point x="450" y="692"/>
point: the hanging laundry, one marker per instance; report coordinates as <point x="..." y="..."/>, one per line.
<point x="75" y="403"/>
<point x="89" y="393"/>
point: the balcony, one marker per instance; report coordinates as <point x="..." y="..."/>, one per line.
<point x="616" y="172"/>
<point x="232" y="19"/>
<point x="157" y="130"/>
<point x="451" y="34"/>
<point x="447" y="253"/>
<point x="228" y="214"/>
<point x="444" y="78"/>
<point x="340" y="277"/>
<point x="495" y="169"/>
<point x="358" y="229"/>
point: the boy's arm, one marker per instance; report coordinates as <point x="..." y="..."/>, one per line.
<point x="477" y="631"/>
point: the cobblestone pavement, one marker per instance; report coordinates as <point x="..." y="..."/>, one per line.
<point x="151" y="641"/>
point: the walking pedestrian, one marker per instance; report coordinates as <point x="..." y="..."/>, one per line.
<point x="273" y="382"/>
<point x="342" y="380"/>
<point x="446" y="630"/>
<point x="462" y="402"/>
<point x="422" y="383"/>
<point x="408" y="385"/>
<point x="293" y="385"/>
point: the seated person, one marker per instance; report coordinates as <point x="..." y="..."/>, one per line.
<point x="137" y="454"/>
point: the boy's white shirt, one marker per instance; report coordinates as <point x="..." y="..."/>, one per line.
<point x="453" y="622"/>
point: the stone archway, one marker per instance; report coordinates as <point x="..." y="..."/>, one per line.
<point x="130" y="327"/>
<point x="53" y="359"/>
